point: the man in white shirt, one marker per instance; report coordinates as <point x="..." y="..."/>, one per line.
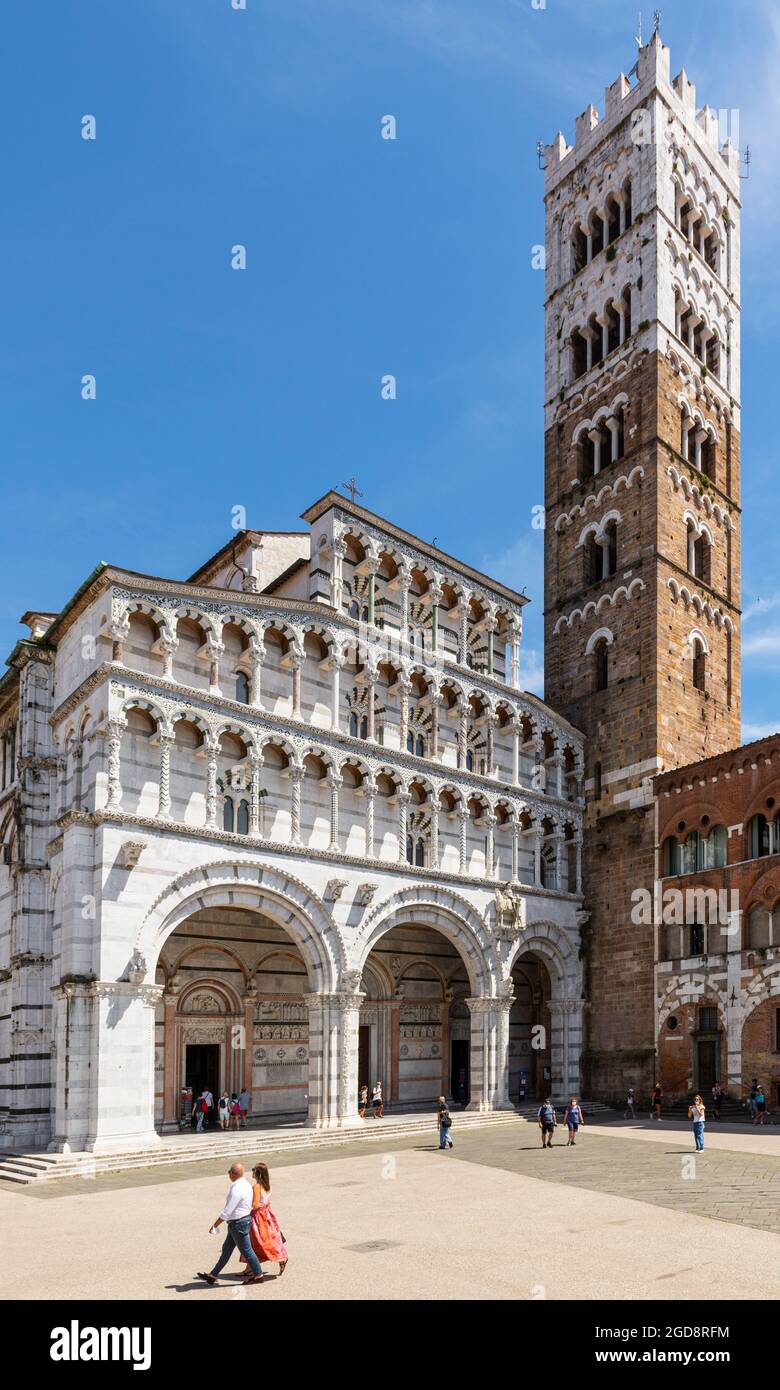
<point x="237" y="1213"/>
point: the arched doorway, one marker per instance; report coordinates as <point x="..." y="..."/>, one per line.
<point x="530" y="1073"/>
<point x="233" y="1016"/>
<point x="414" y="1031"/>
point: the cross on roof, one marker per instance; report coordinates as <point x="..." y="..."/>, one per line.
<point x="352" y="488"/>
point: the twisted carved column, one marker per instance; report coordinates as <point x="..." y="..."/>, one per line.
<point x="115" y="728"/>
<point x="296" y="777"/>
<point x="370" y="792"/>
<point x="403" y="814"/>
<point x="334" y="782"/>
<point x="254" y="794"/>
<point x="463" y="819"/>
<point x="211" y="786"/>
<point x="164" y="803"/>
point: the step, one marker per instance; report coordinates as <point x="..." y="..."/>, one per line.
<point x="37" y="1168"/>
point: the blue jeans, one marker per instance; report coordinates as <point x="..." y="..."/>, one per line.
<point x="698" y="1133"/>
<point x="444" y="1137"/>
<point x="238" y="1237"/>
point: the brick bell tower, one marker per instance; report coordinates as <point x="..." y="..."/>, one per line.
<point x="642" y="635"/>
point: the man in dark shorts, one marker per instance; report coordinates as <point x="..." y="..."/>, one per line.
<point x="547" y="1122"/>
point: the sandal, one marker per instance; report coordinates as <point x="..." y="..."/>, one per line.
<point x="210" y="1278"/>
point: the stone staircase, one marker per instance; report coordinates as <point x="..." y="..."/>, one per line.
<point x="250" y="1144"/>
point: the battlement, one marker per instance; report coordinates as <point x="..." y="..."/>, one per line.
<point x="652" y="71"/>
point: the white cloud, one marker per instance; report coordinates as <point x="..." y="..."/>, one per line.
<point x="760" y="605"/>
<point x="750" y="732"/>
<point x="763" y="648"/>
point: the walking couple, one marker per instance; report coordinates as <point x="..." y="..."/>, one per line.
<point x="252" y="1228"/>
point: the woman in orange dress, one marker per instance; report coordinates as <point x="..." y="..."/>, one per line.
<point x="267" y="1240"/>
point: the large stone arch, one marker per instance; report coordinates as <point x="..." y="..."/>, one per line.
<point x="259" y="887"/>
<point x="557" y="950"/>
<point x="434" y="906"/>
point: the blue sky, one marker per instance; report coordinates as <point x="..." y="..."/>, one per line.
<point x="260" y="388"/>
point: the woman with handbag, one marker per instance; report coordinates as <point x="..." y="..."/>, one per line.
<point x="264" y="1233"/>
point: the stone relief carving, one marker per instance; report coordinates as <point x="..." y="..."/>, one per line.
<point x="131" y="852"/>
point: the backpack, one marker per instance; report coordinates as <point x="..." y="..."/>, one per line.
<point x="204" y="1105"/>
<point x="445" y="1120"/>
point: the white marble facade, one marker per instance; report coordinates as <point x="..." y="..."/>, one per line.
<point x="291" y="821"/>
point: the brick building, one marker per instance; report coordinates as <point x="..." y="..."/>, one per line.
<point x="717" y="910"/>
<point x="642" y="616"/>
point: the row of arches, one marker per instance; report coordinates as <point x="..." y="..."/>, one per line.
<point x="601" y="227"/>
<point x="693" y="850"/>
<point x="702" y="337"/>
<point x="176" y="770"/>
<point x="602" y="334"/>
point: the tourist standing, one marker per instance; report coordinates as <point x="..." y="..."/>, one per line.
<point x="573" y="1118"/>
<point x="547" y="1121"/>
<point x="752" y="1098"/>
<point x="377" y="1104"/>
<point x="243" y="1106"/>
<point x="760" y="1106"/>
<point x="717" y="1100"/>
<point x="223" y="1110"/>
<point x="630" y="1111"/>
<point x="655" y="1103"/>
<point x="237" y="1214"/>
<point x="444" y="1121"/>
<point x="696" y="1113"/>
<point x="200" y="1110"/>
<point x="235" y="1111"/>
<point x="264" y="1233"/>
<point x="363" y="1102"/>
<point x="209" y="1099"/>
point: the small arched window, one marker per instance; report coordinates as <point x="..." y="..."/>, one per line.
<point x="469" y="761"/>
<point x="715" y="847"/>
<point x="410" y="741"/>
<point x="228" y="818"/>
<point x="242" y="688"/>
<point x="419" y="857"/>
<point x="699" y="664"/>
<point x="419" y="746"/>
<point x="601" y="663"/>
<point x="242" y="818"/>
<point x="671" y="857"/>
<point x="364" y="726"/>
<point x="353" y="725"/>
<point x="410" y="849"/>
<point x="760" y="837"/>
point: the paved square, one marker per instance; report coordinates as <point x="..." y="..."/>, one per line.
<point x="496" y="1219"/>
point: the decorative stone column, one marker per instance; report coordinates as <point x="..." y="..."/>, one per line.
<point x="435" y="595"/>
<point x="334" y="781"/>
<point x="212" y="752"/>
<point x="538" y="835"/>
<point x="170" y="645"/>
<point x="463" y="621"/>
<point x="578" y="862"/>
<point x="119" y="635"/>
<point x="339" y="550"/>
<point x="404" y="584"/>
<point x="434" y="831"/>
<point x="489" y="821"/>
<point x="256" y="760"/>
<point x="490" y="1053"/>
<point x="166" y="740"/>
<point x="565" y="1046"/>
<point x="296" y="777"/>
<point x="114" y="730"/>
<point x="369" y="788"/>
<point x="404" y="686"/>
<point x="336" y="664"/>
<point x="490" y="724"/>
<point x="515" y="828"/>
<point x="170" y="1122"/>
<point x="463" y="733"/>
<point x="257" y="654"/>
<point x="215" y="649"/>
<point x="403" y="815"/>
<point x="463" y="820"/>
<point x="296" y="663"/>
<point x="334" y="1020"/>
<point x="515" y="629"/>
<point x="371" y="679"/>
<point x="435" y="699"/>
<point x="515" y="754"/>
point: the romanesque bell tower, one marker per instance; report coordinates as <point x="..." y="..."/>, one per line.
<point x="642" y="497"/>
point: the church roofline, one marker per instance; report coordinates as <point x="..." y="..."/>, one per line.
<point x="689" y="770"/>
<point x="247" y="535"/>
<point x="335" y="499"/>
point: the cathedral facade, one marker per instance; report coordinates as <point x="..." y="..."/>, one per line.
<point x="291" y="826"/>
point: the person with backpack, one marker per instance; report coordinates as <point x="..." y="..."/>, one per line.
<point x="223" y="1110"/>
<point x="200" y="1110"/>
<point x="444" y="1121"/>
<point x="547" y="1121"/>
<point x="760" y="1106"/>
<point x="235" y="1111"/>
